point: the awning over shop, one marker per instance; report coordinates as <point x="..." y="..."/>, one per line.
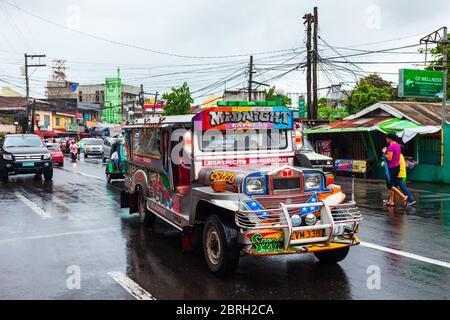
<point x="354" y="125"/>
<point x="398" y="125"/>
<point x="406" y="129"/>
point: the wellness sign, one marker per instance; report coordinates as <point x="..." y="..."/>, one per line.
<point x="420" y="83"/>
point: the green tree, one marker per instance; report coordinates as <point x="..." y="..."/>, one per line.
<point x="368" y="91"/>
<point x="271" y="96"/>
<point x="326" y="112"/>
<point x="178" y="101"/>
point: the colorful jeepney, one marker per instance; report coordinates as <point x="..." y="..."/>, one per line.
<point x="226" y="178"/>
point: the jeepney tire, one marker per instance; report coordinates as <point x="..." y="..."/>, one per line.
<point x="147" y="218"/>
<point x="48" y="174"/>
<point x="301" y="160"/>
<point x="85" y="155"/>
<point x="227" y="235"/>
<point x="332" y="256"/>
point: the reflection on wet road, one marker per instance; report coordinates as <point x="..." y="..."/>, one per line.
<point x="76" y="220"/>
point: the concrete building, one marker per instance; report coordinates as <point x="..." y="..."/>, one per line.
<point x="6" y="127"/>
<point x="91" y="93"/>
<point x="242" y="95"/>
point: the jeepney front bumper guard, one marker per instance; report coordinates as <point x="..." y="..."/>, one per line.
<point x="333" y="219"/>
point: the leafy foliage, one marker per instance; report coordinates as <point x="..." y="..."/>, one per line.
<point x="178" y="101"/>
<point x="329" y="113"/>
<point x="369" y="91"/>
<point x="271" y="96"/>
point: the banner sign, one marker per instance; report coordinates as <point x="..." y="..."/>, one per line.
<point x="229" y="118"/>
<point x="301" y="107"/>
<point x="355" y="166"/>
<point x="112" y="112"/>
<point x="420" y="83"/>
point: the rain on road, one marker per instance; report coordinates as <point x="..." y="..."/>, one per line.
<point x="47" y="229"/>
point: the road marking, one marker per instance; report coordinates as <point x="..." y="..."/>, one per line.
<point x="84" y="174"/>
<point x="132" y="287"/>
<point x="406" y="254"/>
<point x="47" y="236"/>
<point x="33" y="206"/>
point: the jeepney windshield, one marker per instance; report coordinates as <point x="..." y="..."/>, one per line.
<point x="243" y="140"/>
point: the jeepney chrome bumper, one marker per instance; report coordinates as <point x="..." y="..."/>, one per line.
<point x="333" y="220"/>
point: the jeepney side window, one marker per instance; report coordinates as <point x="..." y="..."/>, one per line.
<point x="147" y="142"/>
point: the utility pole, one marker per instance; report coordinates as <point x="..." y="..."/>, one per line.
<point x="154" y="104"/>
<point x="308" y="18"/>
<point x="315" y="63"/>
<point x="436" y="37"/>
<point x="250" y="79"/>
<point x="30" y="114"/>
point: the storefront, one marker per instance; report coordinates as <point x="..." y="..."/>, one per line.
<point x="356" y="142"/>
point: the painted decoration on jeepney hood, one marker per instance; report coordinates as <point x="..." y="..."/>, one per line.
<point x="245" y="162"/>
<point x="229" y="118"/>
<point x="233" y="176"/>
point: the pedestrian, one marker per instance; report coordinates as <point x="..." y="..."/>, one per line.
<point x="392" y="155"/>
<point x="402" y="182"/>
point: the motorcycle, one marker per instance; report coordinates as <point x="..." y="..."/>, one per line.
<point x="74" y="154"/>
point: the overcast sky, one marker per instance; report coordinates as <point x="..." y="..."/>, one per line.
<point x="207" y="28"/>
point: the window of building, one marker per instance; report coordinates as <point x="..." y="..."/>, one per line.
<point x="58" y="121"/>
<point x="80" y="96"/>
<point x="46" y="120"/>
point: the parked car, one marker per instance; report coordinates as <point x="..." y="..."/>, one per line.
<point x="57" y="155"/>
<point x="24" y="154"/>
<point x="93" y="147"/>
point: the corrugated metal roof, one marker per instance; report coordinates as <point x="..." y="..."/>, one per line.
<point x="422" y="113"/>
<point x="354" y="125"/>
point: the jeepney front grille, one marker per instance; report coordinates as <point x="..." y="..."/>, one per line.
<point x="273" y="202"/>
<point x="286" y="185"/>
<point x="345" y="213"/>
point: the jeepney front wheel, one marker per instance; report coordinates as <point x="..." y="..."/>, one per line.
<point x="332" y="256"/>
<point x="147" y="218"/>
<point x="220" y="245"/>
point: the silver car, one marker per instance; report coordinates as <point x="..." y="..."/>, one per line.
<point x="93" y="147"/>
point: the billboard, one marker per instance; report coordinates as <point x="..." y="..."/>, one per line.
<point x="112" y="111"/>
<point x="420" y="83"/>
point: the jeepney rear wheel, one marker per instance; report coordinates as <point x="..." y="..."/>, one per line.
<point x="220" y="245"/>
<point x="147" y="218"/>
<point x="332" y="256"/>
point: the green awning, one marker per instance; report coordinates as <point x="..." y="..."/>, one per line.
<point x="398" y="125"/>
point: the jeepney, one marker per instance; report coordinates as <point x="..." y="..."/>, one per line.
<point x="225" y="177"/>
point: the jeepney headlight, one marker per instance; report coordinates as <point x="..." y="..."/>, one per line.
<point x="312" y="181"/>
<point x="329" y="162"/>
<point x="7" y="157"/>
<point x="46" y="156"/>
<point x="296" y="220"/>
<point x="254" y="185"/>
<point x="310" y="219"/>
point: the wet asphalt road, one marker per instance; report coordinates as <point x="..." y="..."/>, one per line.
<point x="76" y="220"/>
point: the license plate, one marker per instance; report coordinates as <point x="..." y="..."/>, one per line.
<point x="28" y="164"/>
<point x="307" y="234"/>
